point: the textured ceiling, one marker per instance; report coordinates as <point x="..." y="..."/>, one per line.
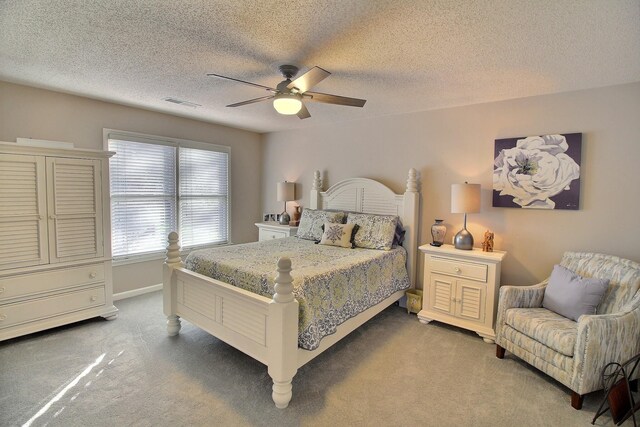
<point x="402" y="56"/>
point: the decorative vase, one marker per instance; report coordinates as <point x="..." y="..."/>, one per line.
<point x="438" y="231"/>
<point x="296" y="215"/>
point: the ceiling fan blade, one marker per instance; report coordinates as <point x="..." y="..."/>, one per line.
<point x="309" y="79"/>
<point x="303" y="113"/>
<point x="242" y="81"/>
<point x="334" y="99"/>
<point x="251" y="101"/>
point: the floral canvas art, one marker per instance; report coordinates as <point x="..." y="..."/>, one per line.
<point x="537" y="172"/>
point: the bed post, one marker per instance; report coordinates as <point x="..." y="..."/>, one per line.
<point x="282" y="335"/>
<point x="410" y="214"/>
<point x="169" y="285"/>
<point x="316" y="188"/>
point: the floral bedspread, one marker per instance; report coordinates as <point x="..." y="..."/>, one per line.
<point x="331" y="284"/>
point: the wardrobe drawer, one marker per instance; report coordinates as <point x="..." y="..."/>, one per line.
<point x="467" y="270"/>
<point x="28" y="311"/>
<point x="46" y="281"/>
<point x="270" y="234"/>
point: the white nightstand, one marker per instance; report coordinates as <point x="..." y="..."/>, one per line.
<point x="273" y="230"/>
<point x="461" y="288"/>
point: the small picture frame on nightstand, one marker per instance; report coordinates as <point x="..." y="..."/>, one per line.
<point x="269" y="217"/>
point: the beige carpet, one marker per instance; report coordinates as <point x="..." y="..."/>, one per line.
<point x="391" y="371"/>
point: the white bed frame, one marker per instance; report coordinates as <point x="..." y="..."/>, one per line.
<point x="267" y="328"/>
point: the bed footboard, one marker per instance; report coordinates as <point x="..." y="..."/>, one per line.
<point x="265" y="329"/>
<point x="169" y="292"/>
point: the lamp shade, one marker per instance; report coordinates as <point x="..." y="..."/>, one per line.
<point x="286" y="191"/>
<point x="287" y="104"/>
<point x="465" y="198"/>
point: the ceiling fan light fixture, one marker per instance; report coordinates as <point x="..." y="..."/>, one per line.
<point x="287" y="104"/>
<point x="287" y="95"/>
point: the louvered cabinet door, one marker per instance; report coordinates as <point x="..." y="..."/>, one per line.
<point x="74" y="202"/>
<point x="23" y="228"/>
<point x="442" y="294"/>
<point x="470" y="299"/>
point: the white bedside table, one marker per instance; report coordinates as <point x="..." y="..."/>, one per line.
<point x="273" y="230"/>
<point x="461" y="288"/>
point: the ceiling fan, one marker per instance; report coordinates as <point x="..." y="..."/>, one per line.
<point x="288" y="95"/>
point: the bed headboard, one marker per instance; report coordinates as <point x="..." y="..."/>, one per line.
<point x="370" y="196"/>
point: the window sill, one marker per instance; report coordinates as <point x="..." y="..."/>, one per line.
<point x="136" y="259"/>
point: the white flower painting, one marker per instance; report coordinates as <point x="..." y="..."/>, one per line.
<point x="539" y="172"/>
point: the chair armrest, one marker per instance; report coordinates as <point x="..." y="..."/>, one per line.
<point x="604" y="338"/>
<point x="518" y="297"/>
<point x="522" y="296"/>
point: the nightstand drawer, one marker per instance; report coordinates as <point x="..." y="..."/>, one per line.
<point x="270" y="234"/>
<point x="273" y="230"/>
<point x="467" y="270"/>
<point x="48" y="281"/>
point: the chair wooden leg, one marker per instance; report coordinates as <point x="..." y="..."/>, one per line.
<point x="576" y="400"/>
<point x="499" y="352"/>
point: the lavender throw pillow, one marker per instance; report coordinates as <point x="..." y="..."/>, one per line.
<point x="571" y="295"/>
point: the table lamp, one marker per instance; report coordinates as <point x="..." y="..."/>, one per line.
<point x="465" y="198"/>
<point x="286" y="193"/>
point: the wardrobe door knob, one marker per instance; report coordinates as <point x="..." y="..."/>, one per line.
<point x="458" y="270"/>
<point x="92" y="275"/>
<point x="2" y="317"/>
<point x="93" y="298"/>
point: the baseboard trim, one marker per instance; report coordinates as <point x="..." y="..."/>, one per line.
<point x="136" y="292"/>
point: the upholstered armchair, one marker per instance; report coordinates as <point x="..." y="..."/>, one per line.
<point x="574" y="352"/>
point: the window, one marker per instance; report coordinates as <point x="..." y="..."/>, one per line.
<point x="161" y="184"/>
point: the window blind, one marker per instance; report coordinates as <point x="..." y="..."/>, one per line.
<point x="143" y="196"/>
<point x="160" y="186"/>
<point x="203" y="197"/>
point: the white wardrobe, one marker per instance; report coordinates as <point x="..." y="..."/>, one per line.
<point x="55" y="228"/>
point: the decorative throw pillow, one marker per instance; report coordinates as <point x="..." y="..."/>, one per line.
<point x="311" y="222"/>
<point x="375" y="232"/>
<point x="571" y="295"/>
<point x="398" y="238"/>
<point x="339" y="235"/>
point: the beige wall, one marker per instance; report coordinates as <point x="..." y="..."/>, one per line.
<point x="43" y="114"/>
<point x="446" y="146"/>
<point x="453" y="145"/>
